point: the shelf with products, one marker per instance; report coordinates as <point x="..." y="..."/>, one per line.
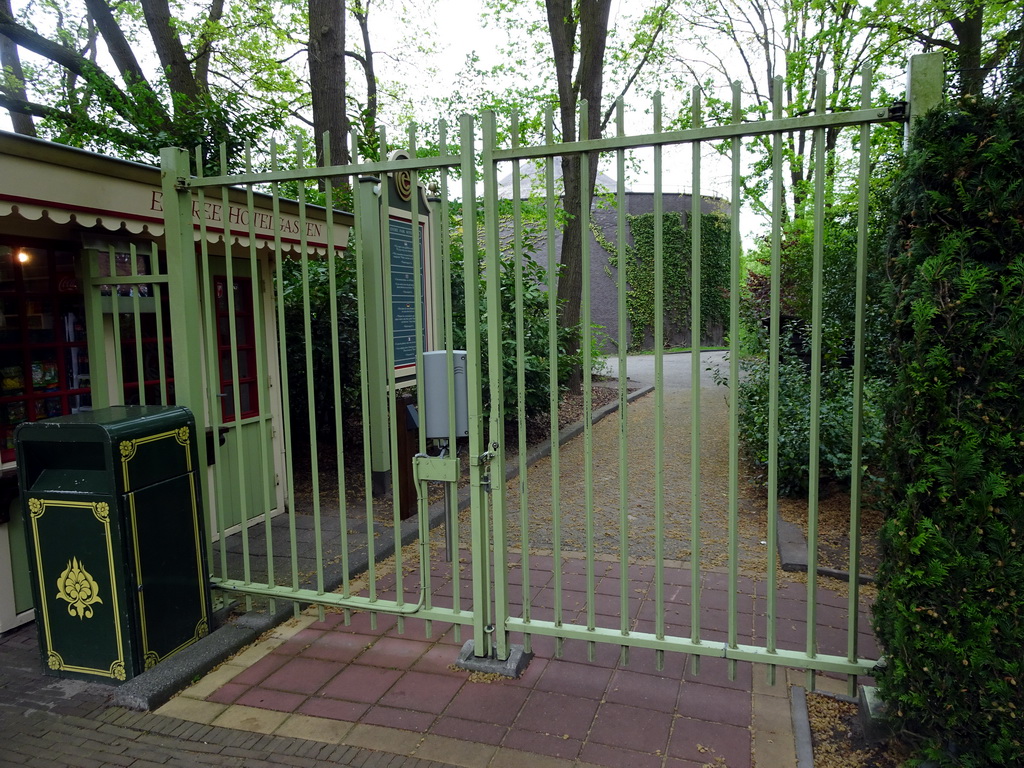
<point x="44" y="359"/>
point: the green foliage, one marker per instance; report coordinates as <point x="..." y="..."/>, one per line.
<point x="534" y="340"/>
<point x="794" y="444"/>
<point x="320" y="361"/>
<point x="950" y="611"/>
<point x="676" y="266"/>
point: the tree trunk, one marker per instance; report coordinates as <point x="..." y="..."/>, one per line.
<point x="173" y="58"/>
<point x="968" y="31"/>
<point x="368" y="130"/>
<point x="592" y="25"/>
<point x="327" y="78"/>
<point x="11" y="62"/>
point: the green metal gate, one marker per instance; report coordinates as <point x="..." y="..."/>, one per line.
<point x="350" y="523"/>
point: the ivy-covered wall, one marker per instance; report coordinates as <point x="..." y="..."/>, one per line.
<point x="676" y="270"/>
<point x="950" y="610"/>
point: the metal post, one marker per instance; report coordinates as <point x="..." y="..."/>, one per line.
<point x="183" y="280"/>
<point x="925" y="80"/>
<point x="368" y="226"/>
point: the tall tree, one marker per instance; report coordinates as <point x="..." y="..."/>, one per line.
<point x="12" y="84"/>
<point x="586" y="58"/>
<point x="756" y="41"/>
<point x="979" y="36"/>
<point x="579" y="33"/>
<point x="195" y="97"/>
<point x="327" y="77"/>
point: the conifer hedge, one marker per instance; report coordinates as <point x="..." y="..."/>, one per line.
<point x="950" y="611"/>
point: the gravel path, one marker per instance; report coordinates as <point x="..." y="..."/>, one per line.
<point x="534" y="496"/>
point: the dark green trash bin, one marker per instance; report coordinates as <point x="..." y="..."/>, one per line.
<point x="116" y="541"/>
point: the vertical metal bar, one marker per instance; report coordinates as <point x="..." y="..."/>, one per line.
<point x="282" y="335"/>
<point x="659" y="392"/>
<point x="159" y="287"/>
<point x="96" y="342"/>
<point x="622" y="314"/>
<point x="233" y="371"/>
<point x="553" y="383"/>
<point x="115" y="315"/>
<point x="140" y="367"/>
<point x="392" y="384"/>
<point x="586" y="342"/>
<point x="735" y="244"/>
<point x="814" y="460"/>
<point x="520" y="320"/>
<point x="183" y="284"/>
<point x="369" y="286"/>
<point x="856" y="473"/>
<point x="478" y="453"/>
<point x="497" y="384"/>
<point x="260" y="346"/>
<point x="696" y="222"/>
<point x="419" y="252"/>
<point x="282" y="352"/>
<point x="447" y="313"/>
<point x="339" y="423"/>
<point x="213" y="402"/>
<point x="774" y="343"/>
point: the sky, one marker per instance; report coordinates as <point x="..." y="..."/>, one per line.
<point x="457" y="30"/>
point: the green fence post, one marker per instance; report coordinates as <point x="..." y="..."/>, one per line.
<point x="368" y="228"/>
<point x="925" y="80"/>
<point x="183" y="284"/>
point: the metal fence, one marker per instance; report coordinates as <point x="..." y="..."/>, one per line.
<point x="603" y="517"/>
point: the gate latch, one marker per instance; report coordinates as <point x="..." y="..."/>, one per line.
<point x="442" y="469"/>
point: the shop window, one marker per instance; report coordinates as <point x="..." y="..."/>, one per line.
<point x="44" y="361"/>
<point x="238" y="367"/>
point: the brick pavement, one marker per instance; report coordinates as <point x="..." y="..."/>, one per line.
<point x="46" y="722"/>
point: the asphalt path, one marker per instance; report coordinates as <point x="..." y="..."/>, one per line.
<point x="677" y="369"/>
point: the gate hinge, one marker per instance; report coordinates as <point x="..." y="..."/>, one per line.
<point x="181" y="184"/>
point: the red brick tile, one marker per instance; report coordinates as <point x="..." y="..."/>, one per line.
<point x="259" y="671"/>
<point x="602" y="754"/>
<point x="715" y="704"/>
<point x="280" y="701"/>
<point x="422" y="692"/>
<point x="358" y="683"/>
<point x="632" y="728"/>
<point x="556" y="714"/>
<point x="333" y="709"/>
<point x="299" y="641"/>
<point x="586" y="680"/>
<point x="494" y="703"/>
<point x="302" y="675"/>
<point x="399" y="718"/>
<point x="337" y="646"/>
<point x="543" y="744"/>
<point x="469" y="730"/>
<point x="647" y="691"/>
<point x="228" y="692"/>
<point x="702" y="741"/>
<point x="437" y="659"/>
<point x="393" y="653"/>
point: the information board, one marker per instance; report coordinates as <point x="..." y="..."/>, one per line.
<point x="403" y="293"/>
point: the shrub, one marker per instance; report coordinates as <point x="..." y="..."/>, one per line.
<point x="835" y="427"/>
<point x="534" y="341"/>
<point x="950" y="611"/>
<point x="325" y="379"/>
